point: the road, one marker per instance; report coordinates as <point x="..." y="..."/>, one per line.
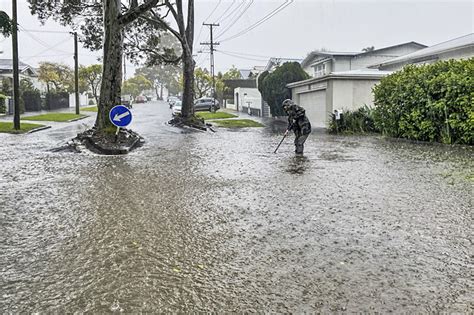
<point x="197" y="221"/>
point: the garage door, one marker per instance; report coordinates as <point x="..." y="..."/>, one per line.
<point x="315" y="105"/>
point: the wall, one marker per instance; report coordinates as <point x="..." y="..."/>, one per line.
<point x="342" y="64"/>
<point x="253" y="96"/>
<point x="464" y="53"/>
<point x="83" y="100"/>
<point x="353" y="93"/>
<point x="369" y="59"/>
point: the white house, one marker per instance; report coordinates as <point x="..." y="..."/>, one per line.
<point x="25" y="72"/>
<point x="341" y="80"/>
<point x="458" y="48"/>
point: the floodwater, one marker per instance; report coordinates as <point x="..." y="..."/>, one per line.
<point x="198" y="221"/>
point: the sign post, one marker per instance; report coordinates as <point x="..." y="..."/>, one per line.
<point x="120" y="116"/>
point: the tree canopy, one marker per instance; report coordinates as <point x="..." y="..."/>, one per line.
<point x="136" y="85"/>
<point x="273" y="88"/>
<point x="57" y="76"/>
<point x="5" y="24"/>
<point x="91" y="77"/>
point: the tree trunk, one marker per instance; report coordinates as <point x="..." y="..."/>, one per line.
<point x="156" y="92"/>
<point x="161" y="91"/>
<point x="188" y="84"/>
<point x="111" y="85"/>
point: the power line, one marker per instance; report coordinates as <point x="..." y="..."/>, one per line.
<point x="212" y="12"/>
<point x="261" y="21"/>
<point x="45" y="31"/>
<point x="227" y="10"/>
<point x="41" y="42"/>
<point x="244" y="54"/>
<point x="241" y="57"/>
<point x="234" y="20"/>
<point x="233" y="13"/>
<point x="49" y="48"/>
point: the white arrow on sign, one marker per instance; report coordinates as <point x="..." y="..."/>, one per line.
<point x="119" y="117"/>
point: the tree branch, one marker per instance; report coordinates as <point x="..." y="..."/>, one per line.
<point x="159" y="22"/>
<point x="136" y="12"/>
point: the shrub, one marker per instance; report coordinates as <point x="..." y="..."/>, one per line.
<point x="32" y="100"/>
<point x="430" y="102"/>
<point x="91" y="102"/>
<point x="358" y="121"/>
<point x="273" y="88"/>
<point x="3" y="104"/>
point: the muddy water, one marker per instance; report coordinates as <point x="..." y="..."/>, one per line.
<point x="217" y="222"/>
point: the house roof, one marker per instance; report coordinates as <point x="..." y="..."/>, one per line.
<point x="465" y="41"/>
<point x="311" y="55"/>
<point x="7" y="64"/>
<point x="352" y="74"/>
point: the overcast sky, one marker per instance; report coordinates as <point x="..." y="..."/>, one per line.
<point x="300" y="27"/>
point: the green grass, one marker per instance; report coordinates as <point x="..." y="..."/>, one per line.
<point x="218" y="115"/>
<point x="61" y="117"/>
<point x="7" y="127"/>
<point x="237" y="123"/>
<point x="90" y="109"/>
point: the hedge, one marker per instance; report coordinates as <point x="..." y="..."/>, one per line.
<point x="429" y="102"/>
<point x="3" y="104"/>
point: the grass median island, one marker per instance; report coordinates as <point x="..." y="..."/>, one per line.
<point x="90" y="109"/>
<point x="237" y="123"/>
<point x="59" y="117"/>
<point x="218" y="115"/>
<point x="7" y="127"/>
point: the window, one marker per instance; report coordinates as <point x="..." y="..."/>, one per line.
<point x="320" y="70"/>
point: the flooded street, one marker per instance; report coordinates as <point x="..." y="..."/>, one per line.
<point x="197" y="221"/>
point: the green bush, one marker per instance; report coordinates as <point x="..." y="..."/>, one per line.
<point x="91" y="102"/>
<point x="3" y="104"/>
<point x="32" y="100"/>
<point x="273" y="88"/>
<point x="358" y="121"/>
<point x="430" y="102"/>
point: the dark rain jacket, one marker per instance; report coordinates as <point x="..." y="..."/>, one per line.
<point x="297" y="120"/>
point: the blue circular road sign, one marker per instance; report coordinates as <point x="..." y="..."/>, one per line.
<point x="120" y="116"/>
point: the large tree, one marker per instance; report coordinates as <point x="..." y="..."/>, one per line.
<point x="184" y="33"/>
<point x="114" y="19"/>
<point x="107" y="17"/>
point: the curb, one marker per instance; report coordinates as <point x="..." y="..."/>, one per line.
<point x="79" y="118"/>
<point x="38" y="129"/>
<point x="91" y="145"/>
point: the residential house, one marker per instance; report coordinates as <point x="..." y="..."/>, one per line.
<point x="341" y="80"/>
<point x="458" y="48"/>
<point x="25" y="72"/>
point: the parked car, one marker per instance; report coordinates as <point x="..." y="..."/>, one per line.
<point x="206" y="104"/>
<point x="176" y="108"/>
<point x="172" y="99"/>
<point x="140" y="99"/>
<point x="126" y="100"/>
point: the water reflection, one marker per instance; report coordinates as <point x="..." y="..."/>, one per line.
<point x="297" y="164"/>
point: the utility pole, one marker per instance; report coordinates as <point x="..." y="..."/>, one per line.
<point x="212" y="44"/>
<point x="16" y="75"/>
<point x="76" y="72"/>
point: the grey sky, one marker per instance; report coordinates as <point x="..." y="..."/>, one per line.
<point x="299" y="28"/>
